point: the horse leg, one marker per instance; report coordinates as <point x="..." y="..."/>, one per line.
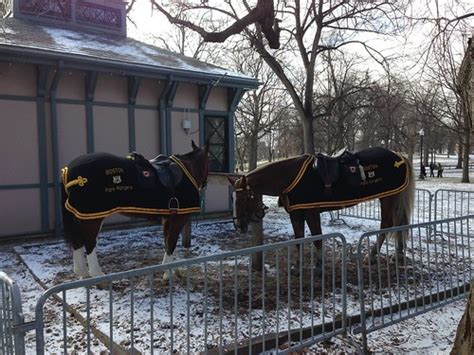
<point x="386" y="222"/>
<point x="90" y="229"/>
<point x="172" y="227"/>
<point x="79" y="262"/>
<point x="313" y="220"/>
<point x="297" y="221"/>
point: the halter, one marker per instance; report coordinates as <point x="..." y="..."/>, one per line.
<point x="258" y="214"/>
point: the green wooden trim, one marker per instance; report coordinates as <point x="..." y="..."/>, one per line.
<point x="216" y="113"/>
<point x="166" y="105"/>
<point x="55" y="149"/>
<point x="41" y="84"/>
<point x="21" y="186"/>
<point x="133" y="86"/>
<point x="17" y="97"/>
<point x="234" y="96"/>
<point x="183" y="109"/>
<point x="162" y="108"/>
<point x="90" y="84"/>
<point x="105" y="104"/>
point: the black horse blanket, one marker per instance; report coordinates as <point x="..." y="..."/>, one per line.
<point x="385" y="173"/>
<point x="100" y="184"/>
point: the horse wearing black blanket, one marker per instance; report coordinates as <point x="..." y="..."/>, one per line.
<point x="308" y="185"/>
<point x="97" y="185"/>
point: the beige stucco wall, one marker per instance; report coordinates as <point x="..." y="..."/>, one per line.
<point x="149" y="92"/>
<point x="21" y="141"/>
<point x="71" y="132"/>
<point x="147" y="132"/>
<point x="111" y="88"/>
<point x="111" y="130"/>
<point x="71" y="85"/>
<point x="187" y="96"/>
<point x="217" y="99"/>
<point x="217" y="198"/>
<point x="181" y="140"/>
<point x="17" y="79"/>
<point x="20" y="209"/>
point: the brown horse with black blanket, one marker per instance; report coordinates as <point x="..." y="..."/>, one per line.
<point x="97" y="185"/>
<point x="308" y="185"/>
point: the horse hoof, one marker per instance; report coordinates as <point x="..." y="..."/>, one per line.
<point x="82" y="275"/>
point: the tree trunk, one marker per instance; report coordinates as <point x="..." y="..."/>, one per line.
<point x="460" y="156"/>
<point x="253" y="154"/>
<point x="307" y="123"/>
<point x="463" y="344"/>
<point x="466" y="150"/>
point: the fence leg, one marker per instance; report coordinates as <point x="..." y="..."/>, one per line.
<point x="186" y="234"/>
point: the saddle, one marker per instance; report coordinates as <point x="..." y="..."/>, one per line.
<point x="168" y="173"/>
<point x="343" y="167"/>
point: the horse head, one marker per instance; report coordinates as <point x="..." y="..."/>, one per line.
<point x="247" y="204"/>
<point x="197" y="161"/>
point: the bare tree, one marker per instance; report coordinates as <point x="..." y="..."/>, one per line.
<point x="260" y="109"/>
<point x="304" y="28"/>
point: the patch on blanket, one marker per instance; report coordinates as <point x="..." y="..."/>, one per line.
<point x="386" y="174"/>
<point x="100" y="184"/>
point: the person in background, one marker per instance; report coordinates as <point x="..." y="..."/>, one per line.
<point x="432" y="167"/>
<point x="440" y="170"/>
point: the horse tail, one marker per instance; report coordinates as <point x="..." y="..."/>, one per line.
<point x="67" y="216"/>
<point x="404" y="203"/>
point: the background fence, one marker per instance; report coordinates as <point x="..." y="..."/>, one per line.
<point x="371" y="209"/>
<point x="256" y="299"/>
<point x="219" y="303"/>
<point x="11" y="317"/>
<point x="435" y="269"/>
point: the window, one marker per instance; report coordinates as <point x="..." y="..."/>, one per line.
<point x="216" y="133"/>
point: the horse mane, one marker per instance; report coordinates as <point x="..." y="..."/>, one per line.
<point x="277" y="162"/>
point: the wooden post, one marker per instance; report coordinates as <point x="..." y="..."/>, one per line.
<point x="257" y="239"/>
<point x="186" y="234"/>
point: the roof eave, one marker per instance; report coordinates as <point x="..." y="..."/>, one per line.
<point x="73" y="61"/>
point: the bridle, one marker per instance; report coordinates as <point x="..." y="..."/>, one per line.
<point x="259" y="212"/>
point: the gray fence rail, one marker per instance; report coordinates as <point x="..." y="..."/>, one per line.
<point x="452" y="203"/>
<point x="435" y="269"/>
<point x="371" y="209"/>
<point x="219" y="303"/>
<point x="294" y="296"/>
<point x="11" y="317"/>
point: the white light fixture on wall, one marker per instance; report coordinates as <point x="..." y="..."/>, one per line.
<point x="186" y="122"/>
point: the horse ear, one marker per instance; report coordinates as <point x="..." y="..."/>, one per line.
<point x="193" y="145"/>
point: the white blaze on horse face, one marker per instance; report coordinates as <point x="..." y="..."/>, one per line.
<point x="94" y="267"/>
<point x="79" y="261"/>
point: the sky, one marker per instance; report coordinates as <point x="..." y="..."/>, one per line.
<point x="406" y="47"/>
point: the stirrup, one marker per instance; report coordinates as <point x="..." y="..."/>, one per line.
<point x="173" y="209"/>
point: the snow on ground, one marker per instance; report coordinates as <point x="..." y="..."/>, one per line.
<point x="123" y="250"/>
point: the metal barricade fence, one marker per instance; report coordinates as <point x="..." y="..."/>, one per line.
<point x="11" y="317"/>
<point x="371" y="209"/>
<point x="435" y="269"/>
<point x="297" y="297"/>
<point x="452" y="203"/>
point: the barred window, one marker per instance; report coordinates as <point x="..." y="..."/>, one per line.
<point x="216" y="133"/>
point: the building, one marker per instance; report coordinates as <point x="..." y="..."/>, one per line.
<point x="71" y="82"/>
